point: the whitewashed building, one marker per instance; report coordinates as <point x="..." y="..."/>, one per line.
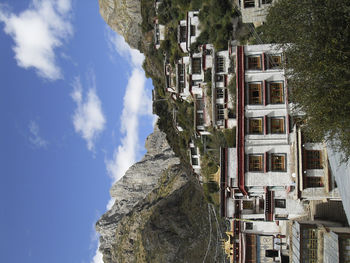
<point x="223" y="115"/>
<point x="254" y="11"/>
<point x="194" y="157"/>
<point x="188" y="31"/>
<point x="159" y="33"/>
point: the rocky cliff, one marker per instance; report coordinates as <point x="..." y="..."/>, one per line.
<point x="124" y="17"/>
<point x="160" y="214"/>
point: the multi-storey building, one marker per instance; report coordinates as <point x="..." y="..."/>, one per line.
<point x="159" y="33"/>
<point x="315" y="179"/>
<point x="159" y="29"/>
<point x="194" y="157"/>
<point x="188" y="31"/>
<point x="319" y="241"/>
<point x="223" y="115"/>
<point x="264" y="179"/>
<point x="254" y="11"/>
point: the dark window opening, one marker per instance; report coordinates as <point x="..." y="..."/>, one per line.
<point x="192" y="30"/>
<point x="220" y="64"/>
<point x="183" y="35"/>
<point x="196" y="65"/>
<point x="249" y="3"/>
<point x="280" y="203"/>
<point x="314" y="159"/>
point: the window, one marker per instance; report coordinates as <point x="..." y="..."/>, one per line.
<point x="345" y="249"/>
<point x="266" y="2"/>
<point x="194" y="161"/>
<point x="219" y="93"/>
<point x="248" y="204"/>
<point x="309" y="245"/>
<point x="280" y="203"/>
<point x="255" y="93"/>
<point x="254" y="62"/>
<point x="220" y="112"/>
<point x="312" y="182"/>
<point x="196" y="82"/>
<point x="248" y="226"/>
<point x="314" y="159"/>
<point x="192" y="31"/>
<point x="278" y="162"/>
<point x="193" y="151"/>
<point x="196" y="65"/>
<point x="183" y="35"/>
<point x="199" y="118"/>
<point x="219" y="78"/>
<point x="181" y="77"/>
<point x="276" y="93"/>
<point x="277" y="125"/>
<point x="274" y="61"/>
<point x="255" y="126"/>
<point x="220" y="64"/>
<point x="255" y="163"/>
<point x="249" y="3"/>
<point x="271" y="253"/>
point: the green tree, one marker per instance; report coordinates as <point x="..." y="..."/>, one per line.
<point x="316" y="36"/>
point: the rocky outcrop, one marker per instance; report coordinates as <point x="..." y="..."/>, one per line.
<point x="138" y="181"/>
<point x="124" y="17"/>
<point x="159" y="214"/>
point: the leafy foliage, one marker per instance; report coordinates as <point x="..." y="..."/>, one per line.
<point x="216" y="21"/>
<point x="316" y="37"/>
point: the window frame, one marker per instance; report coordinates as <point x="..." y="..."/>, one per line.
<point x="251" y="125"/>
<point x="280" y="119"/>
<point x="219" y="95"/>
<point x="280" y="203"/>
<point x="260" y="159"/>
<point x="196" y="65"/>
<point x="248" y="3"/>
<point x="192" y="30"/>
<point x="220" y="112"/>
<point x="314" y="182"/>
<point x="220" y="64"/>
<point x="271" y="64"/>
<point x="182" y="34"/>
<point x="249" y="65"/>
<point x="271" y="95"/>
<point x="275" y="167"/>
<point x="314" y="162"/>
<point x="253" y="87"/>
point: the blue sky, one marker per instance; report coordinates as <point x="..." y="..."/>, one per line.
<point x="76" y="109"/>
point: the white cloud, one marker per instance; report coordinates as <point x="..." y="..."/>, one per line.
<point x="98" y="256"/>
<point x="137" y="103"/>
<point x="118" y="44"/>
<point x="35" y="139"/>
<point x="37" y="32"/>
<point x="88" y="118"/>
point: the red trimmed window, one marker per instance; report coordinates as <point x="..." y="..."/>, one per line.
<point x="255" y="93"/>
<point x="256" y="163"/>
<point x="254" y="62"/>
<point x="276" y="92"/>
<point x="255" y="126"/>
<point x="277" y="125"/>
<point x="278" y="162"/>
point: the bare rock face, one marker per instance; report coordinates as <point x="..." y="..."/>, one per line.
<point x="137" y="183"/>
<point x="124" y="17"/>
